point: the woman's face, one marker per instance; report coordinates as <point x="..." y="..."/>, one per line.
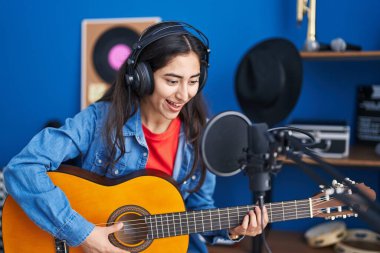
<point x="174" y="86"/>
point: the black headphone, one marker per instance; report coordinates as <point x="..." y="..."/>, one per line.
<point x="139" y="75"/>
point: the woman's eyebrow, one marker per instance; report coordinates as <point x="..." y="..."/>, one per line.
<point x="178" y="76"/>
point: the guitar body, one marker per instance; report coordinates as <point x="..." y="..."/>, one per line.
<point x="96" y="201"/>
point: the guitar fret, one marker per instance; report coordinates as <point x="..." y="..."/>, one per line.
<point x="228" y="218"/>
<point x="174" y="222"/>
<point x="311" y="209"/>
<point x="220" y="224"/>
<point x="180" y="223"/>
<point x="155" y="218"/>
<point x="237" y="210"/>
<point x="203" y="224"/>
<point x="283" y="211"/>
<point x="187" y="221"/>
<point x="167" y="222"/>
<point x="195" y="223"/>
<point x="162" y="226"/>
<point x="270" y="212"/>
<point x="295" y="205"/>
<point x="151" y="226"/>
<point x="211" y="226"/>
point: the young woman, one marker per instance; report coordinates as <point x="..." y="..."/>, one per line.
<point x="152" y="118"/>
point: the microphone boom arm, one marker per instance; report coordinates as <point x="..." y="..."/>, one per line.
<point x="371" y="216"/>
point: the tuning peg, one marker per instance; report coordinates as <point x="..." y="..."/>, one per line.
<point x="334" y="182"/>
<point x="350" y="181"/>
<point x="321" y="186"/>
<point x="339" y="190"/>
<point x="329" y="191"/>
<point x="332" y="217"/>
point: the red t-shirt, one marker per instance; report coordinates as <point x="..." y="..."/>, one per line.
<point x="163" y="147"/>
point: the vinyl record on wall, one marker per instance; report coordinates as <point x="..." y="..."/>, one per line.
<point x="106" y="43"/>
<point x="111" y="50"/>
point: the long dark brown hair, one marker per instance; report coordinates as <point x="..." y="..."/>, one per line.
<point x="125" y="101"/>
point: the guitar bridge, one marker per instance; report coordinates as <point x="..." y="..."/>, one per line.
<point x="61" y="246"/>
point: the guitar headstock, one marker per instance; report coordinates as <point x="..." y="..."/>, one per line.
<point x="326" y="205"/>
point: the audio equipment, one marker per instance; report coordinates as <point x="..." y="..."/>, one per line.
<point x="106" y="43"/>
<point x="340" y="45"/>
<point x="152" y="210"/>
<point x="332" y="140"/>
<point x="368" y="114"/>
<point x="139" y="75"/>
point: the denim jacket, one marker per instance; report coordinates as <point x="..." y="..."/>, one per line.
<point x="27" y="182"/>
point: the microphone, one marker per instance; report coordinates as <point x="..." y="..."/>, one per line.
<point x="340" y="45"/>
<point x="315" y="46"/>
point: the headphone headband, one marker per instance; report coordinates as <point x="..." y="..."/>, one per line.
<point x="139" y="75"/>
<point x="146" y="38"/>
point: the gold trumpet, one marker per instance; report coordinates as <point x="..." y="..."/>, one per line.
<point x="309" y="7"/>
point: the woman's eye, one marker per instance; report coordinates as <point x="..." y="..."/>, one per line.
<point x="193" y="82"/>
<point x="172" y="82"/>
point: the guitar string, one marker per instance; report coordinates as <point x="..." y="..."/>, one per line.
<point x="174" y="221"/>
<point x="187" y="215"/>
<point x="274" y="206"/>
<point x="163" y="227"/>
<point x="167" y="233"/>
<point x="209" y="226"/>
<point x="143" y="235"/>
<point x="207" y="216"/>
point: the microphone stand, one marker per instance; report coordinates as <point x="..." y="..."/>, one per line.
<point x="259" y="165"/>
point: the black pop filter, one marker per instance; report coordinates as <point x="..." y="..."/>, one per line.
<point x="223" y="142"/>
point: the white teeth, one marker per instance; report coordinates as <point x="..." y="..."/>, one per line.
<point x="173" y="104"/>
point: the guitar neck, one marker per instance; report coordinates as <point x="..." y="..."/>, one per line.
<point x="184" y="223"/>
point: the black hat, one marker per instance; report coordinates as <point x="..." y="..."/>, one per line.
<point x="268" y="81"/>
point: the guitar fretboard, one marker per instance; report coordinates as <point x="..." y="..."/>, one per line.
<point x="184" y="223"/>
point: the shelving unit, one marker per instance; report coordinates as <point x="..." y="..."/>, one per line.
<point x="341" y="56"/>
<point x="360" y="156"/>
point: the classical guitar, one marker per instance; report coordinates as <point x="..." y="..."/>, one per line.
<point x="152" y="210"/>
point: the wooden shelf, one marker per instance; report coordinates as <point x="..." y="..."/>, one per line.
<point x="360" y="156"/>
<point x="278" y="241"/>
<point x="341" y="56"/>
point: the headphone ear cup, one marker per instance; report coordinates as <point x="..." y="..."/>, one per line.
<point x="144" y="84"/>
<point x="202" y="77"/>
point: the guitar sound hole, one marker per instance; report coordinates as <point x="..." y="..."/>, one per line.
<point x="135" y="230"/>
<point x="134" y="235"/>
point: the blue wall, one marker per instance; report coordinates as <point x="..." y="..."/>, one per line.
<point x="40" y="67"/>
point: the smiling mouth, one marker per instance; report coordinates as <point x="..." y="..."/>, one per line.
<point x="174" y="105"/>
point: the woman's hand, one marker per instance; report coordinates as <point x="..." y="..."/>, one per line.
<point x="251" y="224"/>
<point x="97" y="241"/>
